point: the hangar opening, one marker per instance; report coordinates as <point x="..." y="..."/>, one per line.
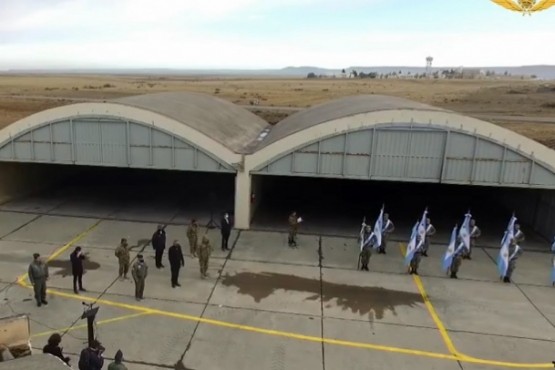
<point x="157" y="196"/>
<point x="337" y="206"/>
<point x="339" y="161"/>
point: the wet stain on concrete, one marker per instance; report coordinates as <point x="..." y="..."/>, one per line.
<point x="65" y="266"/>
<point x="372" y="301"/>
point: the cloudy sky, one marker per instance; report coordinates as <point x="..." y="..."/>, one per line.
<point x="269" y="33"/>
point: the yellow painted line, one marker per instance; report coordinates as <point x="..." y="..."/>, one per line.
<point x="256" y="329"/>
<point x="21" y="279"/>
<point x="101" y="322"/>
<point x="431" y="310"/>
<point x="449" y="343"/>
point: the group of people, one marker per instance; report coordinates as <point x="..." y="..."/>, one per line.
<point x="91" y="358"/>
<point x="38" y="269"/>
<point x="463" y="241"/>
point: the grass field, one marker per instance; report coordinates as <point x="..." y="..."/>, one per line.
<point x="22" y="95"/>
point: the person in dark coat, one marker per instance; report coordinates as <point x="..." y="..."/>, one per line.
<point x="175" y="255"/>
<point x="53" y="347"/>
<point x="226" y="231"/>
<point x="91" y="357"/>
<point x="159" y="244"/>
<point x="76" y="258"/>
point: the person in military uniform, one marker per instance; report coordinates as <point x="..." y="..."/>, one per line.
<point x="430" y="231"/>
<point x="204" y="251"/>
<point x="293" y="228"/>
<point x="175" y="256"/>
<point x="456" y="262"/>
<point x="519" y="235"/>
<point x="387" y="229"/>
<point x="475" y="233"/>
<point x="139" y="271"/>
<point x="226" y="231"/>
<point x="416" y="258"/>
<point x="123" y="254"/>
<point x="192" y="235"/>
<point x="38" y="274"/>
<point x="159" y="244"/>
<point x="366" y="251"/>
<point x="515" y="251"/>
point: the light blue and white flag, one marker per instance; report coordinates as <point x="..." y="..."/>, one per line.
<point x="378" y="228"/>
<point x="411" y="247"/>
<point x="503" y="258"/>
<point x="422" y="229"/>
<point x="448" y="256"/>
<point x="464" y="232"/>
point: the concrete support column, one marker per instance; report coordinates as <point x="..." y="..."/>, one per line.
<point x="242" y="200"/>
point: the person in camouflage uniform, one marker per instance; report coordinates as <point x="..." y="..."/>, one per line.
<point x="514" y="252"/>
<point x="456" y="262"/>
<point x="293" y="228"/>
<point x="366" y="251"/>
<point x="123" y="254"/>
<point x="475" y="233"/>
<point x="204" y="251"/>
<point x="192" y="235"/>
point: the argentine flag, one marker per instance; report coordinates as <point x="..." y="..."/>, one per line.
<point x="378" y="226"/>
<point x="464" y="232"/>
<point x="411" y="247"/>
<point x="448" y="257"/>
<point x="503" y="258"/>
<point x="422" y="228"/>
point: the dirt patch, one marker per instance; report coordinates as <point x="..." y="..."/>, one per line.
<point x="65" y="266"/>
<point x="372" y="301"/>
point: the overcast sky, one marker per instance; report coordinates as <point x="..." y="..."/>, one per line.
<point x="269" y="33"/>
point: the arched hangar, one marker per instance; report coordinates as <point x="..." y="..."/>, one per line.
<point x="331" y="161"/>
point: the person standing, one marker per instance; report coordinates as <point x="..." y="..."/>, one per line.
<point x="226" y="231"/>
<point x="76" y="258"/>
<point x="159" y="244"/>
<point x="366" y="251"/>
<point x="91" y="357"/>
<point x="175" y="256"/>
<point x="456" y="262"/>
<point x="387" y="229"/>
<point x="204" y="251"/>
<point x="515" y="251"/>
<point x="416" y="258"/>
<point x="293" y="229"/>
<point x="519" y="235"/>
<point x="192" y="235"/>
<point x="38" y="275"/>
<point x="475" y="233"/>
<point x="118" y="362"/>
<point x="430" y="231"/>
<point x="139" y="272"/>
<point x="124" y="258"/>
<point x="53" y="347"/>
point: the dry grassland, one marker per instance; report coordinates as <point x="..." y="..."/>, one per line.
<point x="22" y="95"/>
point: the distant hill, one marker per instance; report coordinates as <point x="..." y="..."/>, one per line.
<point x="546" y="72"/>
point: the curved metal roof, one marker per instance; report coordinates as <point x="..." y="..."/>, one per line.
<point x="232" y="126"/>
<point x="340" y="108"/>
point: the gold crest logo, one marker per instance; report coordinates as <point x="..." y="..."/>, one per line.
<point x="525" y="6"/>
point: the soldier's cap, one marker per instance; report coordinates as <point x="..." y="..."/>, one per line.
<point x="36" y="255"/>
<point x="140" y="256"/>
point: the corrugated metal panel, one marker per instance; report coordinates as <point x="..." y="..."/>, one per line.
<point x="412" y="153"/>
<point x="108" y="142"/>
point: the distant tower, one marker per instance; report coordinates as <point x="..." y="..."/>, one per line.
<point x="429" y="61"/>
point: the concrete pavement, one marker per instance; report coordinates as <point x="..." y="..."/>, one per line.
<point x="268" y="306"/>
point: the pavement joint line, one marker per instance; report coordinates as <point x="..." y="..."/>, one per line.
<point x="21" y="226"/>
<point x="59" y="251"/>
<point x="461" y="357"/>
<point x="228" y="257"/>
<point x="456" y="356"/>
<point x="101" y="322"/>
